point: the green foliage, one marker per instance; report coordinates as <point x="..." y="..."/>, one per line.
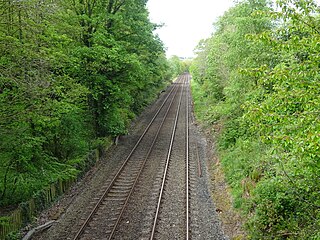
<point x="13" y="236"/>
<point x="259" y="78"/>
<point x="71" y="72"/>
<point x="178" y="66"/>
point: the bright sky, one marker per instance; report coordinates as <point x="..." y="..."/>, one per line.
<point x="186" y="22"/>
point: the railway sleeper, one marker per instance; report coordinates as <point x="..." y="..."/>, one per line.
<point x="122" y="187"/>
<point x="120" y="191"/>
<point x="118" y="194"/>
<point x="117" y="198"/>
<point x="124" y="184"/>
<point x="126" y="179"/>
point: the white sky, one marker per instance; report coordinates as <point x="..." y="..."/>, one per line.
<point x="186" y="22"/>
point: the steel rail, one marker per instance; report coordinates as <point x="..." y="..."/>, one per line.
<point x="187" y="161"/>
<point x="166" y="168"/>
<point x="88" y="219"/>
<point x="141" y="169"/>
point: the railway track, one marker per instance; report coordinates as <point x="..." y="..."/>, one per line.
<point x="171" y="220"/>
<point x="168" y="128"/>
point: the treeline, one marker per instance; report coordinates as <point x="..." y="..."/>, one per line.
<point x="178" y="66"/>
<point x="257" y="84"/>
<point x="72" y="72"/>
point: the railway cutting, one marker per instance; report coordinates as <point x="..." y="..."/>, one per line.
<point x="149" y="186"/>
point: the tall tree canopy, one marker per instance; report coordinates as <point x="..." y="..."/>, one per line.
<point x="71" y="71"/>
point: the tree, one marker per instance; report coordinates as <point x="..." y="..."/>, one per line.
<point x="258" y="76"/>
<point x="285" y="116"/>
<point x="71" y="71"/>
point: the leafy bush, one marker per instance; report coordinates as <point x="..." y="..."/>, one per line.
<point x="259" y="78"/>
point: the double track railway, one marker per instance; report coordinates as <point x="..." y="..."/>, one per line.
<point x="160" y="160"/>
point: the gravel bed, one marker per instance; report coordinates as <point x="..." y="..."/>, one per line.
<point x="138" y="216"/>
<point x="172" y="214"/>
<point x="133" y="225"/>
<point x="205" y="223"/>
<point x="72" y="208"/>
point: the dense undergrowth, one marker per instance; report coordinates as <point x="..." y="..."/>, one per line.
<point x="256" y="81"/>
<point x="72" y="73"/>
